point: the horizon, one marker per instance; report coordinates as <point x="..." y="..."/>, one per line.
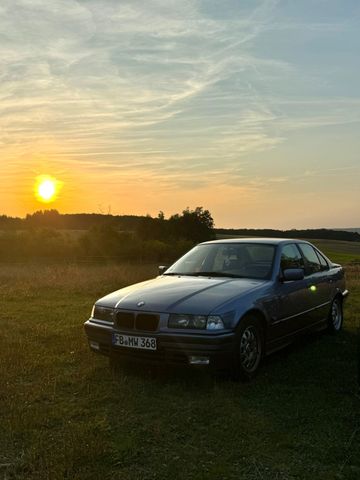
<point x="251" y="110"/>
<point x="215" y="224"/>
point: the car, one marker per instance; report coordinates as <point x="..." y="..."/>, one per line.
<point x="224" y="304"/>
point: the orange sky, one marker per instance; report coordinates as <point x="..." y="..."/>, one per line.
<point x="250" y="111"/>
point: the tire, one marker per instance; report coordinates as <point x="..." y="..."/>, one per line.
<point x="336" y="316"/>
<point x="249" y="349"/>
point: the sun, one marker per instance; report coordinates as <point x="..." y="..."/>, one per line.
<point x="46" y="188"/>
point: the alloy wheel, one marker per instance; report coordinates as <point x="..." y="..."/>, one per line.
<point x="250" y="349"/>
<point x="336" y="315"/>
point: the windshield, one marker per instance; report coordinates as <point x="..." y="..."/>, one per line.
<point x="247" y="260"/>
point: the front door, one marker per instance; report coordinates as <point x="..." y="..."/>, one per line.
<point x="294" y="300"/>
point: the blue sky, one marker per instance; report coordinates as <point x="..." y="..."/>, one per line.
<point x="249" y="108"/>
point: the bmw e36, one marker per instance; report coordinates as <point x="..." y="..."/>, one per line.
<point x="225" y="303"/>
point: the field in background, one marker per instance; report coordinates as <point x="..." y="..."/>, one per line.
<point x="65" y="415"/>
<point x="339" y="251"/>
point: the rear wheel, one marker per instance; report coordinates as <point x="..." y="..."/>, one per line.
<point x="336" y="317"/>
<point x="249" y="348"/>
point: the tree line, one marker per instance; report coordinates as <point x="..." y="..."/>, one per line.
<point x="317" y="233"/>
<point x="49" y="235"/>
<point x="195" y="225"/>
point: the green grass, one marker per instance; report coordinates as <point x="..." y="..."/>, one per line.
<point x="65" y="415"/>
<point x="339" y="251"/>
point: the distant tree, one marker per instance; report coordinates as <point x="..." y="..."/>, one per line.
<point x="44" y="218"/>
<point x="102" y="241"/>
<point x="195" y="225"/>
<point x="192" y="225"/>
<point x="10" y="223"/>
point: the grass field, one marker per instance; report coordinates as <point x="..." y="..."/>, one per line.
<point x="339" y="251"/>
<point x="65" y="415"/>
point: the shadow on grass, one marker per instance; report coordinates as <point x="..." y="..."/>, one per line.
<point x="315" y="358"/>
<point x="295" y="418"/>
<point x="191" y="377"/>
<point x="313" y="361"/>
<point x="330" y="362"/>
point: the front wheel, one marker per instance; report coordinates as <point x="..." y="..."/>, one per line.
<point x="336" y="316"/>
<point x="249" y="348"/>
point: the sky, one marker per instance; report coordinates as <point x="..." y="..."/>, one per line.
<point x="250" y="109"/>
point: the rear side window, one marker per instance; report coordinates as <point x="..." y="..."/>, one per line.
<point x="312" y="263"/>
<point x="291" y="258"/>
<point x="324" y="264"/>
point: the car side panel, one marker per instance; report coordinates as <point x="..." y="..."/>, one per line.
<point x="294" y="302"/>
<point x="320" y="288"/>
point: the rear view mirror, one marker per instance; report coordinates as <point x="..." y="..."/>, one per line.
<point x="162" y="269"/>
<point x="291" y="274"/>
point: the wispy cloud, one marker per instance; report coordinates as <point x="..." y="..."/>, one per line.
<point x="69" y="67"/>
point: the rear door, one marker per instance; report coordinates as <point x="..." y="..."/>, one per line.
<point x="318" y="282"/>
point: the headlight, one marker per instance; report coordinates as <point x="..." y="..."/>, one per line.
<point x="187" y="321"/>
<point x="103" y="313"/>
<point x="200" y="322"/>
<point x="214" y="323"/>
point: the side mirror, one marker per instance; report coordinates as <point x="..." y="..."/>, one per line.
<point x="291" y="274"/>
<point x="162" y="269"/>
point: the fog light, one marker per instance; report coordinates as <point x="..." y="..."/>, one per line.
<point x="195" y="360"/>
<point x="94" y="345"/>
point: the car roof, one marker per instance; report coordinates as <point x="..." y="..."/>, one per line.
<point x="264" y="240"/>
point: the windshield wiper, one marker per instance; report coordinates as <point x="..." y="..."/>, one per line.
<point x="204" y="274"/>
<point x="176" y="274"/>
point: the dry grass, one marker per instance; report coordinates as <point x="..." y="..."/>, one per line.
<point x="65" y="415"/>
<point x="72" y="277"/>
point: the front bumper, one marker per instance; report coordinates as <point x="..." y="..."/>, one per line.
<point x="172" y="348"/>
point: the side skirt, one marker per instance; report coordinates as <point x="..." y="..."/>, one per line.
<point x="286" y="340"/>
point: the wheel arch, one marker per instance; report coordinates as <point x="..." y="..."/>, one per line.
<point x="330" y="321"/>
<point x="254" y="312"/>
<point x="338" y="294"/>
<point x="238" y="371"/>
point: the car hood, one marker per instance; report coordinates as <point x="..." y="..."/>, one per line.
<point x="180" y="294"/>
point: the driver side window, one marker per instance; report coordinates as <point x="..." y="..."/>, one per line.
<point x="291" y="257"/>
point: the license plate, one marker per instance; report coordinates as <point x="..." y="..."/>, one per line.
<point x="132" y="341"/>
